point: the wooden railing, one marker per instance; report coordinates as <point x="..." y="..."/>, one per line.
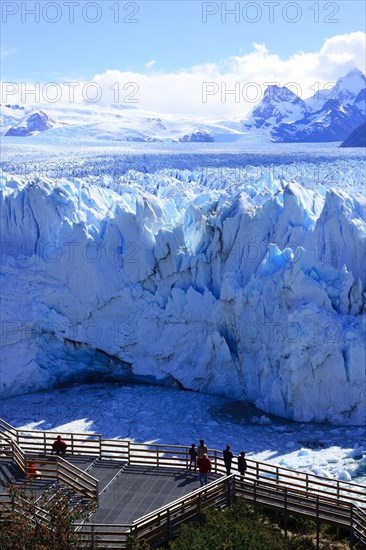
<point x="19" y="456"/>
<point x="326" y="500"/>
<point x="36" y="442"/>
<point x="161" y="525"/>
<point x="10" y="504"/>
<point x="7" y="429"/>
<point x="78" y="480"/>
<point x="58" y="469"/>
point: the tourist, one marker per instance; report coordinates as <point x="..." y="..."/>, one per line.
<point x="32" y="472"/>
<point x="202" y="449"/>
<point x="193" y="457"/>
<point x="242" y="463"/>
<point x="204" y="467"/>
<point x="228" y="458"/>
<point x="59" y="446"/>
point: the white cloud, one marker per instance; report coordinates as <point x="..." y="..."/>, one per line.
<point x="235" y="83"/>
<point x="150" y="64"/>
<point x="182" y="91"/>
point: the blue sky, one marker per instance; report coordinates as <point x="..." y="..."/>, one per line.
<point x="171" y="33"/>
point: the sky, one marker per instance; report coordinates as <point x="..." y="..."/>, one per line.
<point x="171" y="49"/>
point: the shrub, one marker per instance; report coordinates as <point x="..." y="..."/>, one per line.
<point x="43" y="524"/>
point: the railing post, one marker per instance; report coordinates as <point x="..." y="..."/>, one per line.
<point x="307" y="482"/>
<point x="44" y="443"/>
<point x="317" y="522"/>
<point x="285" y="509"/>
<point x="215" y="458"/>
<point x="157" y="456"/>
<point x="100" y="446"/>
<point x="351" y="534"/>
<point x="277" y="476"/>
<point x="128" y="452"/>
<point x="72" y="443"/>
<point x="257" y="470"/>
<point x="168" y="526"/>
<point x="338" y="489"/>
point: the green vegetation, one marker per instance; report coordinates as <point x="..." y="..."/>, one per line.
<point x="22" y="528"/>
<point x="247" y="528"/>
<point x="243" y="527"/>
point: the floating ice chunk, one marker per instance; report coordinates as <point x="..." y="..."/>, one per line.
<point x="264" y="420"/>
<point x="322" y="472"/>
<point x="306" y="452"/>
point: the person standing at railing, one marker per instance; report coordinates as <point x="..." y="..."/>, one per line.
<point x="204" y="467"/>
<point x="228" y="458"/>
<point x="32" y="472"/>
<point x="242" y="463"/>
<point x="193" y="457"/>
<point x="201" y="449"/>
<point x="59" y="446"/>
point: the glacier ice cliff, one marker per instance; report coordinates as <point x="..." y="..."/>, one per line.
<point x="253" y="290"/>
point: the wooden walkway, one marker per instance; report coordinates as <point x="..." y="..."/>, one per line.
<point x="140" y="490"/>
<point x="146" y="491"/>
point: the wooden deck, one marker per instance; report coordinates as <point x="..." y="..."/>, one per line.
<point x="146" y="490"/>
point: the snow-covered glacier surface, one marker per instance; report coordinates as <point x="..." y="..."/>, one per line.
<point x="236" y="278"/>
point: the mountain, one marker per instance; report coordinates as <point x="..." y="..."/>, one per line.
<point x="279" y="105"/>
<point x="360" y="101"/>
<point x="199" y="137"/>
<point x="281" y="116"/>
<point x="357" y="138"/>
<point x="10" y="115"/>
<point x="33" y="122"/>
<point x="109" y="123"/>
<point x="345" y="90"/>
<point x="329" y="115"/>
<point x="333" y="122"/>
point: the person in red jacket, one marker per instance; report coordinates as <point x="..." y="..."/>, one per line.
<point x="204" y="467"/>
<point x="32" y="472"/>
<point x="59" y="446"/>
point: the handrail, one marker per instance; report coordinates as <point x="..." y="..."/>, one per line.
<point x="19" y="456"/>
<point x="278" y="487"/>
<point x="184" y="498"/>
<point x="80" y="482"/>
<point x="157" y="454"/>
<point x="6" y="427"/>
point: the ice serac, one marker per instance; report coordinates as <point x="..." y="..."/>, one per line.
<point x="253" y="290"/>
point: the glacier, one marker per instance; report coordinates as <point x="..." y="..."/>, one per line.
<point x="245" y="283"/>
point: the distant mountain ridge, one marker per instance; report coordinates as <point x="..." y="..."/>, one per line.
<point x="330" y="115"/>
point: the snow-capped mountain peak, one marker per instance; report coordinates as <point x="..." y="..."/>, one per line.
<point x="330" y="115"/>
<point x="279" y="104"/>
<point x="35" y="121"/>
<point x="353" y="81"/>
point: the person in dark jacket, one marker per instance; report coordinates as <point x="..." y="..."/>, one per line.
<point x="228" y="458"/>
<point x="59" y="446"/>
<point x="193" y="457"/>
<point x="204" y="467"/>
<point x="242" y="463"/>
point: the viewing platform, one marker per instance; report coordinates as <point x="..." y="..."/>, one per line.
<point x="146" y="490"/>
